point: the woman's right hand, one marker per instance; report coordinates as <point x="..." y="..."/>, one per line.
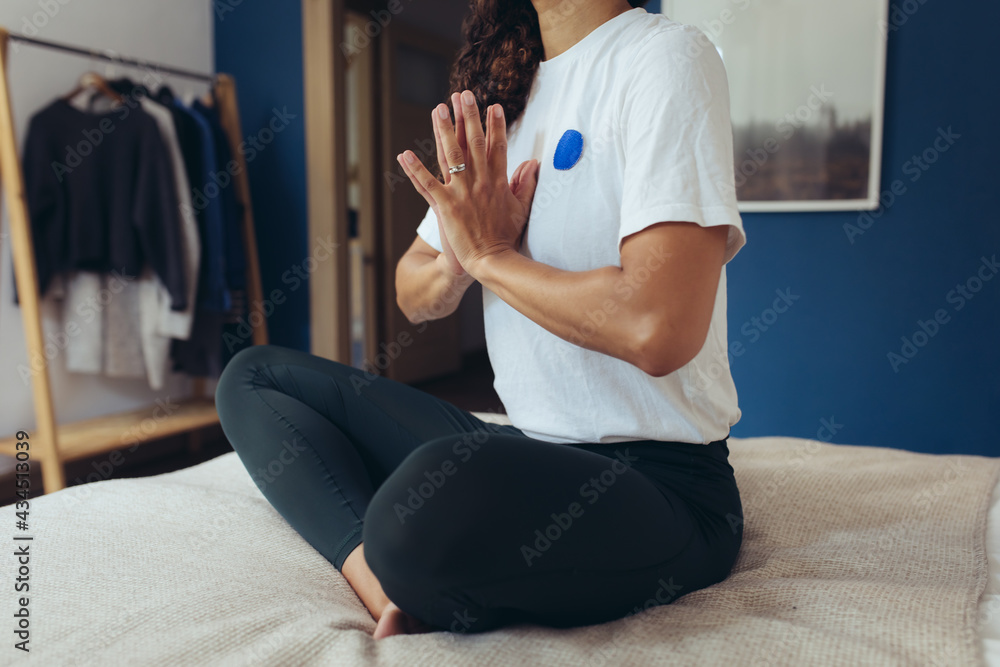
<point x="450" y="263"/>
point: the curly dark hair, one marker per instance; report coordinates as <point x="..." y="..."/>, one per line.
<point x="501" y="51"/>
<point x="502" y="48"/>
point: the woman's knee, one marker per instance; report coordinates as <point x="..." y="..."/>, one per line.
<point x="411" y="515"/>
<point x="234" y="393"/>
<point x="251" y="364"/>
<point x="248" y="368"/>
<point x="243" y="366"/>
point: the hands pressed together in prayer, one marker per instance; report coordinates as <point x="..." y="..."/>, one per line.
<point x="479" y="212"/>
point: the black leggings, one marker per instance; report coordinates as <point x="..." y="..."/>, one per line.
<point x="467" y="525"/>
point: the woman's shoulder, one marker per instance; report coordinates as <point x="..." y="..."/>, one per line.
<point x="657" y="36"/>
<point x="665" y="54"/>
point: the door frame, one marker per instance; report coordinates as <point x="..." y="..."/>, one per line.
<point x="326" y="177"/>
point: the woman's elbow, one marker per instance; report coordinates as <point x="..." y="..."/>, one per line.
<point x="659" y="349"/>
<point x="401" y="301"/>
<point x="411" y="315"/>
<point x="658" y="365"/>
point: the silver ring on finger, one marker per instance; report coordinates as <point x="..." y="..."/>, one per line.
<point x="455" y="170"/>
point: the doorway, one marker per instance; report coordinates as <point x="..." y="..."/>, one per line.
<point x="391" y="70"/>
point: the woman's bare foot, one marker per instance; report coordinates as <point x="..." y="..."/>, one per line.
<point x="391" y="620"/>
<point x="395" y="621"/>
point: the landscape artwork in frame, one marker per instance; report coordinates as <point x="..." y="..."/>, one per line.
<point x="806" y="84"/>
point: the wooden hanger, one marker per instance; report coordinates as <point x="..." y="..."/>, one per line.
<point x="208" y="99"/>
<point x="96" y="81"/>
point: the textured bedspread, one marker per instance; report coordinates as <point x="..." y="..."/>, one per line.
<point x="851" y="556"/>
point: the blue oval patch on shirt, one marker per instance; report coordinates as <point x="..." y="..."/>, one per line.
<point x="568" y="150"/>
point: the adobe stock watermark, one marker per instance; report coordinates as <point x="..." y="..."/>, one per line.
<point x="757" y="325"/>
<point x="753" y="330"/>
<point x="591" y="491"/>
<point x="667" y="590"/>
<point x="252" y="146"/>
<point x="804" y="452"/>
<point x="272" y="647"/>
<point x="828" y="428"/>
<point x="148" y="427"/>
<point x="715" y="27"/>
<point x="426" y="151"/>
<point x="394" y="349"/>
<point x="958" y="297"/>
<point x="74" y="155"/>
<point x="134" y="436"/>
<point x="463" y="622"/>
<point x="287" y="455"/>
<point x="224" y="7"/>
<point x="424" y="148"/>
<point x="890" y="537"/>
<point x="464" y="448"/>
<point x="359" y="39"/>
<point x="565" y="9"/>
<point x="382" y="360"/>
<point x="32" y="25"/>
<point x="295" y="277"/>
<point x="624" y="288"/>
<point x="786" y="127"/>
<point x="207" y="528"/>
<point x="899" y="14"/>
<point x="915" y="167"/>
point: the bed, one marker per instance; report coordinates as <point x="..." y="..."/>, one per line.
<point x="851" y="556"/>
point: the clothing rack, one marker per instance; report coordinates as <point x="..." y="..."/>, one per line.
<point x="52" y="444"/>
<point x="112" y="58"/>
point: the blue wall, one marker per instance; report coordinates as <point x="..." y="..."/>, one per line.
<point x="260" y="44"/>
<point x="820" y="370"/>
<point x="826" y="357"/>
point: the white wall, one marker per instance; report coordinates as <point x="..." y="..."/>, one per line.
<point x="174" y="32"/>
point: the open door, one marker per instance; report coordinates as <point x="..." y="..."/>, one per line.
<point x="414" y="79"/>
<point x="326" y="172"/>
<point x="369" y="96"/>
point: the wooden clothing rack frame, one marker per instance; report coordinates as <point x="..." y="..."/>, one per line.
<point x="56" y="444"/>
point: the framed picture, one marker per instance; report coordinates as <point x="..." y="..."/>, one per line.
<point x="806" y="83"/>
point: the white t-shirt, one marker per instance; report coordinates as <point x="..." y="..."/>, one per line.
<point x="652" y="105"/>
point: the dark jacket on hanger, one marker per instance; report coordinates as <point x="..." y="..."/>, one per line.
<point x="212" y="292"/>
<point x="201" y="354"/>
<point x="101" y="196"/>
<point x="232" y="208"/>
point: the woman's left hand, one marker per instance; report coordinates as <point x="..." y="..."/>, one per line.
<point x="479" y="211"/>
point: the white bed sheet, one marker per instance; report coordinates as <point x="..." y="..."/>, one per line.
<point x="199" y="541"/>
<point x="989" y="603"/>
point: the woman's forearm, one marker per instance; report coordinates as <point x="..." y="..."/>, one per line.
<point x="426" y="289"/>
<point x="604" y="309"/>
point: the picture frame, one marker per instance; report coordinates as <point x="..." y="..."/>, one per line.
<point x="807" y="93"/>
